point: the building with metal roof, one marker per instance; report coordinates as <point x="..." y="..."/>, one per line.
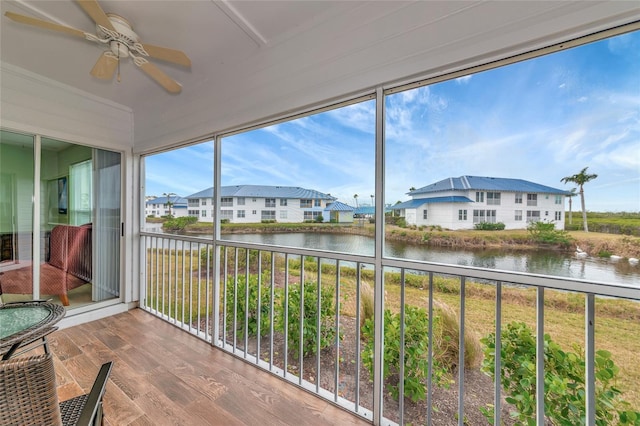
<point x="257" y="203"/>
<point x="175" y="206"/>
<point x="462" y="202"/>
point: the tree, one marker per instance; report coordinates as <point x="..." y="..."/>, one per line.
<point x="570" y="196"/>
<point x="580" y="179"/>
<point x="413" y="188"/>
<point x="169" y="203"/>
<point x="355" y="197"/>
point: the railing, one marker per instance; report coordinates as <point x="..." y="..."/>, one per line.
<point x="318" y="320"/>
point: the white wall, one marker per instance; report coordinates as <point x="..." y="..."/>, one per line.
<point x="33" y="104"/>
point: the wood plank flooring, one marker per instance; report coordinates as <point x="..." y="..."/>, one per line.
<point x="164" y="376"/>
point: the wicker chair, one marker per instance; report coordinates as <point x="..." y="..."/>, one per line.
<point x="28" y="395"/>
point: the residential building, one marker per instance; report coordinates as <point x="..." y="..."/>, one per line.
<point x="462" y="202"/>
<point x="257" y="203"/>
<point x="163" y="206"/>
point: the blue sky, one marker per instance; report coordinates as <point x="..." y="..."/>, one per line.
<point x="538" y="120"/>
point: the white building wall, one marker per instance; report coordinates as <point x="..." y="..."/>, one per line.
<point x="550" y="207"/>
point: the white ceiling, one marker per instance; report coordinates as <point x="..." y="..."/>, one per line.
<point x="253" y="59"/>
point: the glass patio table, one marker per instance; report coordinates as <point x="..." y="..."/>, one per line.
<point x="22" y="323"/>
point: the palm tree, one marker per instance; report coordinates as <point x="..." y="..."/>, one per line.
<point x="413" y="188"/>
<point x="580" y="179"/>
<point x="573" y="194"/>
<point x="169" y="203"/>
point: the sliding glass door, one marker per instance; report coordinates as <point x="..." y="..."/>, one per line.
<point x="60" y="204"/>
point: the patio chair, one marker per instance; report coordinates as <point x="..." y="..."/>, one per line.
<point x="28" y="395"/>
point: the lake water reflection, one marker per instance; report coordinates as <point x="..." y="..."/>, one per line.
<point x="545" y="262"/>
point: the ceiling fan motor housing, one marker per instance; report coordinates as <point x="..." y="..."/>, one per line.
<point x="125" y="39"/>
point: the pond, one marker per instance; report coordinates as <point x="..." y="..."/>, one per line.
<point x="546" y="262"/>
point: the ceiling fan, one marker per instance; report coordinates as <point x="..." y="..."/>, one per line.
<point x="117" y="34"/>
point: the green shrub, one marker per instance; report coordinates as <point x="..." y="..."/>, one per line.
<point x="310" y="331"/>
<point x="545" y="233"/>
<point x="488" y="226"/>
<point x="564" y="381"/>
<point x="401" y="222"/>
<point x="178" y="223"/>
<point x="237" y="294"/>
<point x="225" y="220"/>
<point x="416" y="352"/>
<point x="319" y="219"/>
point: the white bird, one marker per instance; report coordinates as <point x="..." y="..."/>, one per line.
<point x="633" y="260"/>
<point x="579" y="250"/>
<point x="615" y="257"/>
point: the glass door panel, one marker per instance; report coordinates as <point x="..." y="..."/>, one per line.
<point x="16" y="216"/>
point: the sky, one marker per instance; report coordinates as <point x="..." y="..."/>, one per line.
<point x="538" y="120"/>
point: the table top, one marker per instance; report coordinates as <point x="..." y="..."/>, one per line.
<point x="18" y="321"/>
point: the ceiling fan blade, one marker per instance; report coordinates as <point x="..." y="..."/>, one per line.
<point x="105" y="67"/>
<point x="166" y="54"/>
<point x="93" y="9"/>
<point x="44" y="24"/>
<point x="161" y="78"/>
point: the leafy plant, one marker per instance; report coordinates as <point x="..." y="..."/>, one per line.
<point x="565" y="394"/>
<point x="311" y="330"/>
<point x="546" y="233"/>
<point x="416" y="352"/>
<point x="178" y="223"/>
<point x="489" y="226"/>
<point x="248" y="308"/>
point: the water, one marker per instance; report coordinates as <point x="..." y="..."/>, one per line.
<point x="545" y="262"/>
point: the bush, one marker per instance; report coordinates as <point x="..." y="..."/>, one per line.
<point x="178" y="223"/>
<point x="416" y="353"/>
<point x="225" y="221"/>
<point x="238" y="294"/>
<point x="564" y="381"/>
<point x="488" y="226"/>
<point x="546" y="233"/>
<point x="310" y="332"/>
<point x="401" y="222"/>
<point x="319" y="219"/>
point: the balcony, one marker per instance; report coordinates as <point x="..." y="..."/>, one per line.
<point x="165" y="376"/>
<point x="255" y="302"/>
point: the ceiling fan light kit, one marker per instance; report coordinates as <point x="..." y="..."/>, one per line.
<point x="117" y="34"/>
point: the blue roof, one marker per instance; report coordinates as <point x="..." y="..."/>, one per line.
<point x="337" y="206"/>
<point x="413" y="204"/>
<point x="479" y="183"/>
<point x="264" y="191"/>
<point x="163" y="200"/>
<point x="366" y="210"/>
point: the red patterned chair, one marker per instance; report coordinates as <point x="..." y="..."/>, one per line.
<point x="68" y="267"/>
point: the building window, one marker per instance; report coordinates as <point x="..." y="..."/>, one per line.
<point x="226" y="214"/>
<point x="518" y="215"/>
<point x="283" y="202"/>
<point x="424" y="214"/>
<point x="195" y="213"/>
<point x="479" y="197"/>
<point x="203" y="202"/>
<point x="478" y="216"/>
<point x="253" y="212"/>
<point x="269" y="202"/>
<point x="317" y="203"/>
<point x="226" y="201"/>
<point x="283" y="214"/>
<point x="558" y="215"/>
<point x="268" y="214"/>
<point x="240" y="201"/>
<point x="532" y="200"/>
<point x="305" y="204"/>
<point x="558" y="199"/>
<point x="311" y="215"/>
<point x="518" y="197"/>
<point x="240" y="213"/>
<point x="462" y="215"/>
<point x="493" y="198"/>
<point x="533" y="216"/>
<point x="203" y="213"/>
<point x="194" y="202"/>
<point x="491" y="216"/>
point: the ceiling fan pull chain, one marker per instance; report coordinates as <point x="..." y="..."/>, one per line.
<point x="118" y="62"/>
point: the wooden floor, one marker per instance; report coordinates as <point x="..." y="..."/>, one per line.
<point x="164" y="376"/>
